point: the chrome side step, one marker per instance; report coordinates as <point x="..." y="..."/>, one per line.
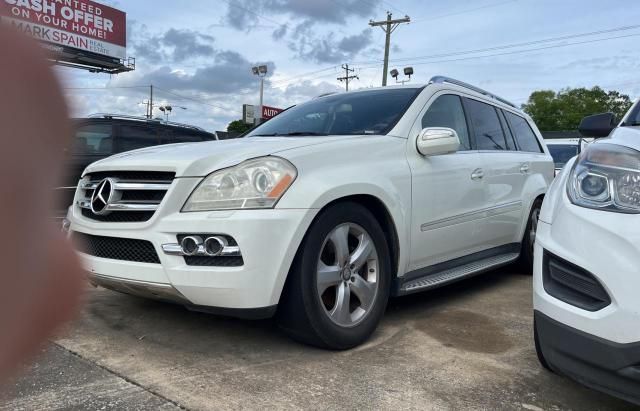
<point x="453" y="274"/>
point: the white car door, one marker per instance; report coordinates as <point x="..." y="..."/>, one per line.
<point x="505" y="171"/>
<point x="448" y="191"/>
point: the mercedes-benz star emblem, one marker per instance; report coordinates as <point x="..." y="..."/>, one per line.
<point x="102" y="196"/>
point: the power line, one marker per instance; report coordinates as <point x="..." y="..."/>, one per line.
<point x="530" y="50"/>
<point x="289" y="80"/>
<point x="196" y="100"/>
<point x="103" y="88"/>
<point x="420" y="20"/>
<point x="394" y="7"/>
<point x="513" y="45"/>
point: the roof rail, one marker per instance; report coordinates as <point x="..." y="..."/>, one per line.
<point x="444" y="79"/>
<point x="144" y="119"/>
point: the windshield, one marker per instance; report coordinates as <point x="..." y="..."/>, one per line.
<point x="366" y="112"/>
<point x="562" y="153"/>
<point x="634" y="116"/>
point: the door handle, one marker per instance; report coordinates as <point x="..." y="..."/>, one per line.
<point x="477" y="174"/>
<point x="524" y="169"/>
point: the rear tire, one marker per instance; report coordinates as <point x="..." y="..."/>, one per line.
<point x="339" y="283"/>
<point x="528" y="242"/>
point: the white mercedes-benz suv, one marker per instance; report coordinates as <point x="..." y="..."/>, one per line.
<point x="587" y="262"/>
<point x="322" y="213"/>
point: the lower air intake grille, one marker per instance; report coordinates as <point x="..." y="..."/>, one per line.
<point x="569" y="283"/>
<point x="123" y="249"/>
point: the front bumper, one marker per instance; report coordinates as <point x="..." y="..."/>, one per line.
<point x="605" y="244"/>
<point x="268" y="240"/>
<point x="595" y="362"/>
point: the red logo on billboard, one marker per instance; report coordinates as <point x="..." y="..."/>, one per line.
<point x="270" y="112"/>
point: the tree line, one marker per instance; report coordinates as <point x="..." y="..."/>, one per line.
<point x="563" y="110"/>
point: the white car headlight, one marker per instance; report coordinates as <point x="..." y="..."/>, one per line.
<point x="257" y="183"/>
<point x="606" y="177"/>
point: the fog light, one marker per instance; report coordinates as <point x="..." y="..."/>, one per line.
<point x="213" y="246"/>
<point x="190" y="245"/>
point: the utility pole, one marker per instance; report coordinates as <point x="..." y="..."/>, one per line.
<point x="388" y="26"/>
<point x="348" y="77"/>
<point x="151" y="103"/>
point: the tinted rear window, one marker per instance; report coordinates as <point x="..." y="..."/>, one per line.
<point x="526" y="138"/>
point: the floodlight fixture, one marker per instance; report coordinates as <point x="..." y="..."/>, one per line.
<point x="408" y="71"/>
<point x="394" y="73"/>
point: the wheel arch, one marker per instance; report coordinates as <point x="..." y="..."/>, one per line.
<point x="382" y="214"/>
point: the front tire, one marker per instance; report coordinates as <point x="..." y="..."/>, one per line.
<point x="339" y="284"/>
<point x="529" y="240"/>
<point x="539" y="353"/>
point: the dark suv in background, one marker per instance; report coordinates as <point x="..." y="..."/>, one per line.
<point x="103" y="135"/>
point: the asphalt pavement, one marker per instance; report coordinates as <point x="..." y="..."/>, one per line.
<point x="466" y="346"/>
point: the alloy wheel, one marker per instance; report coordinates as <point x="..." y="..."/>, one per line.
<point x="347" y="275"/>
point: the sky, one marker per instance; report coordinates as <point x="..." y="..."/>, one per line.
<point x="198" y="54"/>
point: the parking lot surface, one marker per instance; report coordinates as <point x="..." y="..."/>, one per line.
<point x="467" y="346"/>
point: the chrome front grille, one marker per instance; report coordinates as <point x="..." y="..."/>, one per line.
<point x="123" y="197"/>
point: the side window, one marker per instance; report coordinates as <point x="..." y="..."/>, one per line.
<point x="93" y="139"/>
<point x="527" y="140"/>
<point x="133" y="137"/>
<point x="511" y="143"/>
<point x="180" y="135"/>
<point x="486" y="126"/>
<point x="447" y="111"/>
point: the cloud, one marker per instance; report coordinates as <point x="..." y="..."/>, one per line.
<point x="188" y="44"/>
<point x="328" y="48"/>
<point x="245" y="14"/>
<point x="229" y="72"/>
<point x="172" y="45"/>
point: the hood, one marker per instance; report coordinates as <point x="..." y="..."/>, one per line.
<point x="624" y="136"/>
<point x="201" y="159"/>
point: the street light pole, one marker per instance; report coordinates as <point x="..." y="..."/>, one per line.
<point x="260" y="71"/>
<point x="261" y="96"/>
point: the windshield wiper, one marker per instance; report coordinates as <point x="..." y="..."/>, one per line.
<point x="292" y="134"/>
<point x="303" y="133"/>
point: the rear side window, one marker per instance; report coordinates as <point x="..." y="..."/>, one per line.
<point x="93" y="139"/>
<point x="486" y="126"/>
<point x="180" y="135"/>
<point x="511" y="143"/>
<point x="526" y="138"/>
<point x="133" y="137"/>
<point x="447" y="111"/>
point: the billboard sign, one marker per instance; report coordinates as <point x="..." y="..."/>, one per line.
<point x="73" y="24"/>
<point x="270" y="112"/>
<point x="248" y="114"/>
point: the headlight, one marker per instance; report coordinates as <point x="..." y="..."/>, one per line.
<point x="606" y="177"/>
<point x="257" y="183"/>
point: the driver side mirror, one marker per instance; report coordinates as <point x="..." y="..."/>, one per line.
<point x="598" y="126"/>
<point x="435" y="141"/>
